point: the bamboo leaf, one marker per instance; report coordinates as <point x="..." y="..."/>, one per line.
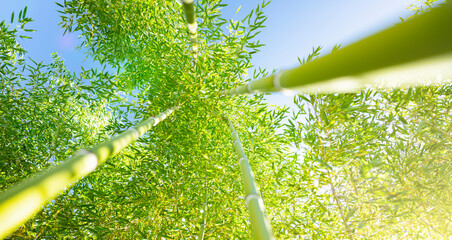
<point x="238" y="9"/>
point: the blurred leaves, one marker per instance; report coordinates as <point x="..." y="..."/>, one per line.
<point x="387" y="154"/>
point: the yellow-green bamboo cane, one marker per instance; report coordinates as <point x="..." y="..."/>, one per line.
<point x="415" y="52"/>
<point x="259" y="222"/>
<point x="23" y="200"/>
<point x="191" y="24"/>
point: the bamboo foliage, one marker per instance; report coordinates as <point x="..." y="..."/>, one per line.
<point x="23" y="200"/>
<point x="381" y="179"/>
<point x="156" y="188"/>
<point x="260" y="224"/>
<point x="390" y="58"/>
<point x="168" y="192"/>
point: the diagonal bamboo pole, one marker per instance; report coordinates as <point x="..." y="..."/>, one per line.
<point x="191" y="24"/>
<point x="424" y="42"/>
<point x="20" y="202"/>
<point x="259" y="222"/>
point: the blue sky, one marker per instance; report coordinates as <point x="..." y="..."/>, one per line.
<point x="48" y="37"/>
<point x="294" y="27"/>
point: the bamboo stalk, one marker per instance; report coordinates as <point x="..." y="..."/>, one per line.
<point x="259" y="222"/>
<point x="21" y="201"/>
<point x="412" y="53"/>
<point x="191" y="24"/>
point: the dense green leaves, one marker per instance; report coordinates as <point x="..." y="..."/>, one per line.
<point x="157" y="187"/>
<point x="369" y="165"/>
<point x="379" y="162"/>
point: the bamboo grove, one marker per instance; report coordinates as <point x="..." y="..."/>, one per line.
<point x="370" y="163"/>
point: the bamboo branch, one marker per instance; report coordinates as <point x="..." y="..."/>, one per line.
<point x="338" y="204"/>
<point x="433" y="228"/>
<point x="438" y="129"/>
<point x="336" y="199"/>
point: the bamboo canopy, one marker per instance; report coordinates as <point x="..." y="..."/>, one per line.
<point x="426" y="38"/>
<point x="20" y="202"/>
<point x="396" y="49"/>
<point x="259" y="222"/>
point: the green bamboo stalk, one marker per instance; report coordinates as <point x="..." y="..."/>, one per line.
<point x="20" y="202"/>
<point x="191" y="24"/>
<point x="425" y="39"/>
<point x="259" y="222"/>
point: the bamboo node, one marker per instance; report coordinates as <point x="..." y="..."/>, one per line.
<point x="277" y="81"/>
<point x="156" y="121"/>
<point x="88" y="162"/>
<point x="251" y="196"/>
<point x="192" y="28"/>
<point x="133" y="129"/>
<point x="241" y="159"/>
<point x="248" y="87"/>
